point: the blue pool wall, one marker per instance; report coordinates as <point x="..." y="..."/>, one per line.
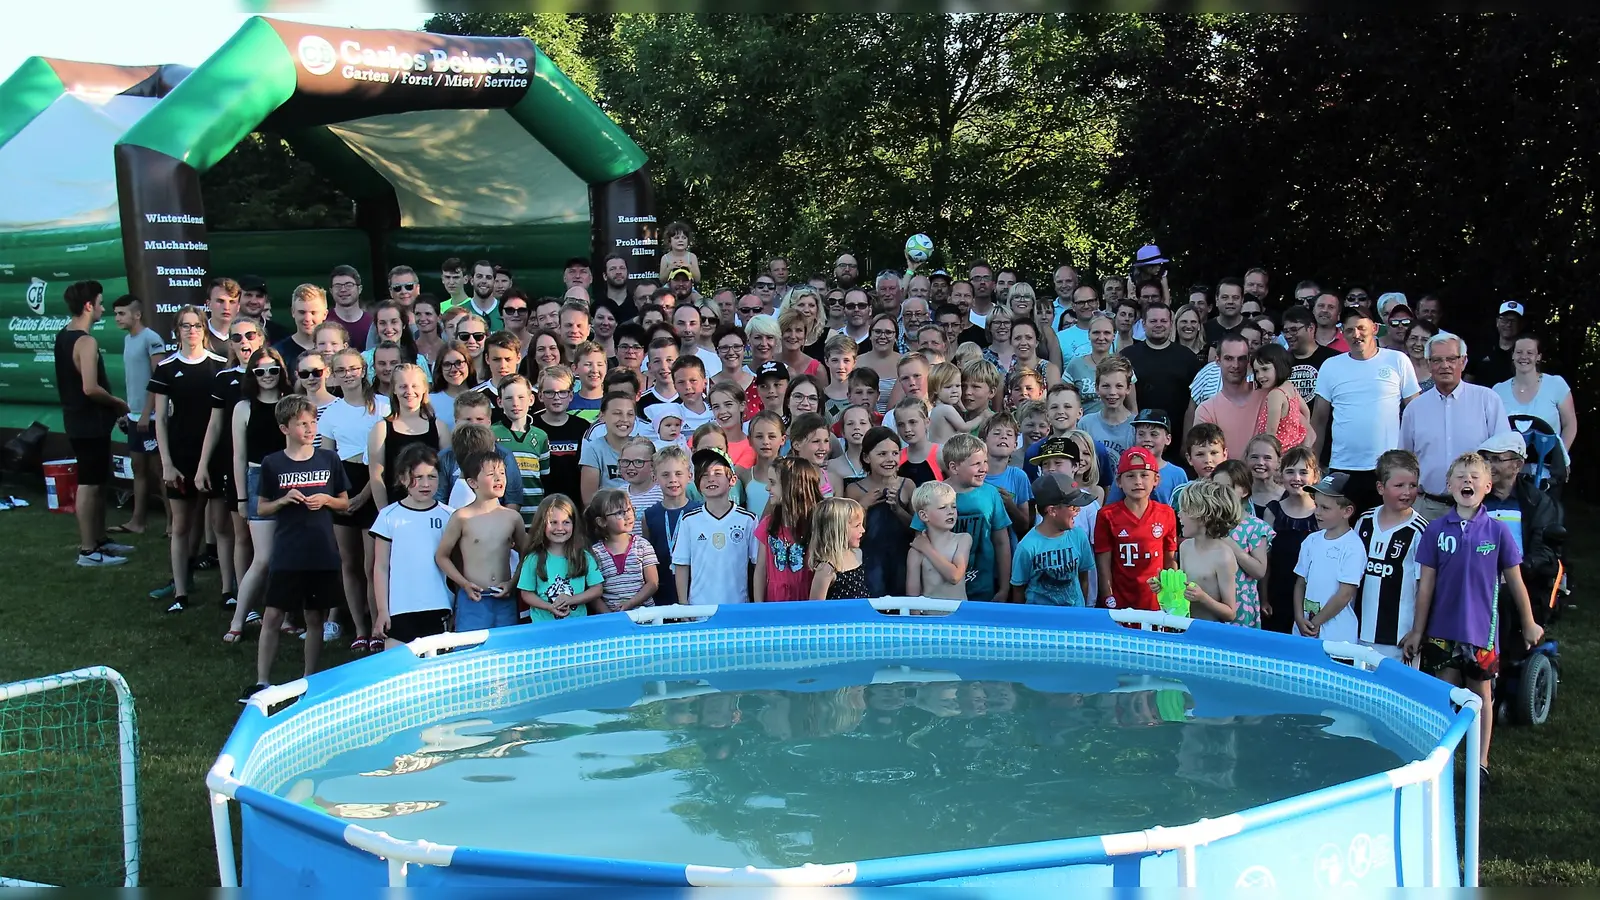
<point x="1360" y="834"/>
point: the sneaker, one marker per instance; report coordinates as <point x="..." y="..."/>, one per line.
<point x="229" y="601"/>
<point x="114" y="547"/>
<point x="97" y="558"/>
<point x="251" y="691"/>
<point x="331" y="631"/>
<point x="1483" y="780"/>
<point x="20" y="503"/>
<point x="5" y="504"/>
<point x="203" y="562"/>
<point x="165" y="592"/>
<point x="177" y="605"/>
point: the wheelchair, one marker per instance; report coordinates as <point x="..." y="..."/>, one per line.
<point x="1525" y="690"/>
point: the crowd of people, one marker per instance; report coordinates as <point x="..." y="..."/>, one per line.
<point x="1320" y="463"/>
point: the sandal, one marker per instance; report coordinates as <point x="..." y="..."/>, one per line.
<point x="252" y="618"/>
<point x="232" y="637"/>
<point x="359" y="645"/>
<point x="375" y="645"/>
<point x="123" y="529"/>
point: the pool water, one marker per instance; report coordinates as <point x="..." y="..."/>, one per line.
<point x="842" y="763"/>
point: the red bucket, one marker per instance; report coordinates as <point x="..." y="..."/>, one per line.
<point x="61" y="485"/>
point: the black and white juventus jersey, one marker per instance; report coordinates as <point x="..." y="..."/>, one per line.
<point x="1388" y="601"/>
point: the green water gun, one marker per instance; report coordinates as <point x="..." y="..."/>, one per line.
<point x="1173" y="583"/>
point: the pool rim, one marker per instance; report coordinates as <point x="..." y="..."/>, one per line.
<point x="1183" y="840"/>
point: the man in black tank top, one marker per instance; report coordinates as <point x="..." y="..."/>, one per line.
<point x="88" y="412"/>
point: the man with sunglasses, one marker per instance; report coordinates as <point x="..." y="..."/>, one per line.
<point x="222" y="302"/>
<point x="750" y="306"/>
<point x="1396" y="314"/>
<point x="518" y="317"/>
<point x="857" y="314"/>
<point x="767" y="289"/>
<point x="404" y="287"/>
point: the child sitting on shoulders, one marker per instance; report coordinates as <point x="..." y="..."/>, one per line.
<point x="836" y="530"/>
<point x="678" y="256"/>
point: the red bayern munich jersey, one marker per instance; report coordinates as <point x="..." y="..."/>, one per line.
<point x="1138" y="546"/>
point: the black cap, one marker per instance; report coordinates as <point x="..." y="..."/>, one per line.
<point x="1154" y="417"/>
<point x="253" y="283"/>
<point x="1332" y="484"/>
<point x="1056" y="489"/>
<point x="773" y="369"/>
<point x="1057" y="447"/>
<point x="704" y="459"/>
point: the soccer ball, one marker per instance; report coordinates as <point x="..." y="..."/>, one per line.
<point x="919" y="247"/>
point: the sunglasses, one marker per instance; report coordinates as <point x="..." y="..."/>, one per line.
<point x="514" y="310"/>
<point x="1399" y="323"/>
<point x="749" y="310"/>
<point x="266" y="371"/>
<point x="474" y="336"/>
<point x="312" y="373"/>
<point x="858" y="306"/>
<point x="404" y="286"/>
<point x="241" y="337"/>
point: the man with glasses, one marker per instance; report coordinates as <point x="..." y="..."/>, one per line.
<point x="951" y="322"/>
<point x="1075" y="338"/>
<point x="404" y="287"/>
<point x="1306" y="293"/>
<point x="846" y="274"/>
<point x="1361" y="392"/>
<point x="222" y="303"/>
<point x="518" y="317"/>
<point x="254" y="303"/>
<point x="767" y="289"/>
<point x="641" y="291"/>
<point x="617" y="292"/>
<point x="857" y="315"/>
<point x="1358" y="298"/>
<point x="1451" y="418"/>
<point x="982" y="277"/>
<point x="914" y="314"/>
<point x="1306" y="356"/>
<point x="484" y="303"/>
<point x="629" y="340"/>
<point x="1149" y="292"/>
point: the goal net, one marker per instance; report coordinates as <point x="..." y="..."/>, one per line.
<point x="69" y="753"/>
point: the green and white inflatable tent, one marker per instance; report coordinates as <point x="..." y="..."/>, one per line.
<point x="451" y="145"/>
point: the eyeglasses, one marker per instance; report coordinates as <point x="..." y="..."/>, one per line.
<point x="312" y="373"/>
<point x="630" y="348"/>
<point x="403" y="286"/>
<point x="453" y="364"/>
<point x="190" y="326"/>
<point x="473" y="336"/>
<point x="710" y="320"/>
<point x="556" y="394"/>
<point x="879" y="332"/>
<point x="347" y="371"/>
<point x="514" y="310"/>
<point x="242" y="336"/>
<point x="730" y="348"/>
<point x="632" y="463"/>
<point x="267" y="371"/>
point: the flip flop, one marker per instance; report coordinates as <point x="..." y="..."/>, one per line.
<point x="121" y="529"/>
<point x="232" y="637"/>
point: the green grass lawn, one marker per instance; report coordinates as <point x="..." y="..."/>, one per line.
<point x="1541" y="825"/>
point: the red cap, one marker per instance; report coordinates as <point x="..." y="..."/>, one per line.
<point x="1137" y="459"/>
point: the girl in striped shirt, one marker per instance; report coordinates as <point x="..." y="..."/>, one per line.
<point x="627" y="561"/>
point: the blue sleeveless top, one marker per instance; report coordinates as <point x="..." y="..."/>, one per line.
<point x="663" y="525"/>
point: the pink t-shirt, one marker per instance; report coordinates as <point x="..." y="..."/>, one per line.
<point x="788" y="576"/>
<point x="1237" y="420"/>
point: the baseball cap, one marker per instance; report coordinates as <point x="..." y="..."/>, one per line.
<point x="705" y="459"/>
<point x="1149" y="255"/>
<point x="680" y="271"/>
<point x="937" y="274"/>
<point x="1056" y="489"/>
<point x="253" y="283"/>
<point x="1387" y="302"/>
<point x="1154" y="417"/>
<point x="1057" y="448"/>
<point x="1137" y="459"/>
<point x="773" y="369"/>
<point x="1512" y="306"/>
<point x="1504" y="442"/>
<point x="1333" y="484"/>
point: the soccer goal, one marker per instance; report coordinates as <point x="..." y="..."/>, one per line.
<point x="69" y="758"/>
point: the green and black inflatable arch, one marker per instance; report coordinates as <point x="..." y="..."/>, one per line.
<point x="297" y="79"/>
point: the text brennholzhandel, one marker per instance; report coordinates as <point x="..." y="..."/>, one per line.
<point x="435" y="67"/>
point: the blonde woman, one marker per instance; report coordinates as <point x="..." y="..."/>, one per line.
<point x="794" y="331"/>
<point x="999" y="350"/>
<point x="1188" y="329"/>
<point x="805" y="300"/>
<point x="1024" y="304"/>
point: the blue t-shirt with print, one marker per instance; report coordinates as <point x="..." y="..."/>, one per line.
<point x="1049" y="567"/>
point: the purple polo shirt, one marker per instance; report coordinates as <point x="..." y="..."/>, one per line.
<point x="1468" y="556"/>
<point x="1439" y="428"/>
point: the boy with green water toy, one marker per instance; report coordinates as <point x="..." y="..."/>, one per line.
<point x="1208" y="511"/>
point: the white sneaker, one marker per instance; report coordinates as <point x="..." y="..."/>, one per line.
<point x="97" y="558"/>
<point x="116" y="549"/>
<point x="17" y="502"/>
<point x="330" y="632"/>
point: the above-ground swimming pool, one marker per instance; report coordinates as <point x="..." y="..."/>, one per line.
<point x="854" y="743"/>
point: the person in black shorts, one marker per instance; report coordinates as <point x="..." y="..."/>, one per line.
<point x="215" y="475"/>
<point x="88" y="412"/>
<point x="301" y="487"/>
<point x="183" y="384"/>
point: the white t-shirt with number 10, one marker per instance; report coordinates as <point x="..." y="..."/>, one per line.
<point x="415" y="582"/>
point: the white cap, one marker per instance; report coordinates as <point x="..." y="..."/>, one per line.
<point x="1512" y="306"/>
<point x="1504" y="442"/>
<point x="1391" y="300"/>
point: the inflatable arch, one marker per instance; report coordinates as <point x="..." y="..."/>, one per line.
<point x="451" y="145"/>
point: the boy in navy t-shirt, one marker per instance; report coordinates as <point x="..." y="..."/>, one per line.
<point x="1465" y="554"/>
<point x="301" y="488"/>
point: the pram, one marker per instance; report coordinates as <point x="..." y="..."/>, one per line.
<point x="1526" y="688"/>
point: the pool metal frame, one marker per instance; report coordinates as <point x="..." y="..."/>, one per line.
<point x="1430" y="774"/>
